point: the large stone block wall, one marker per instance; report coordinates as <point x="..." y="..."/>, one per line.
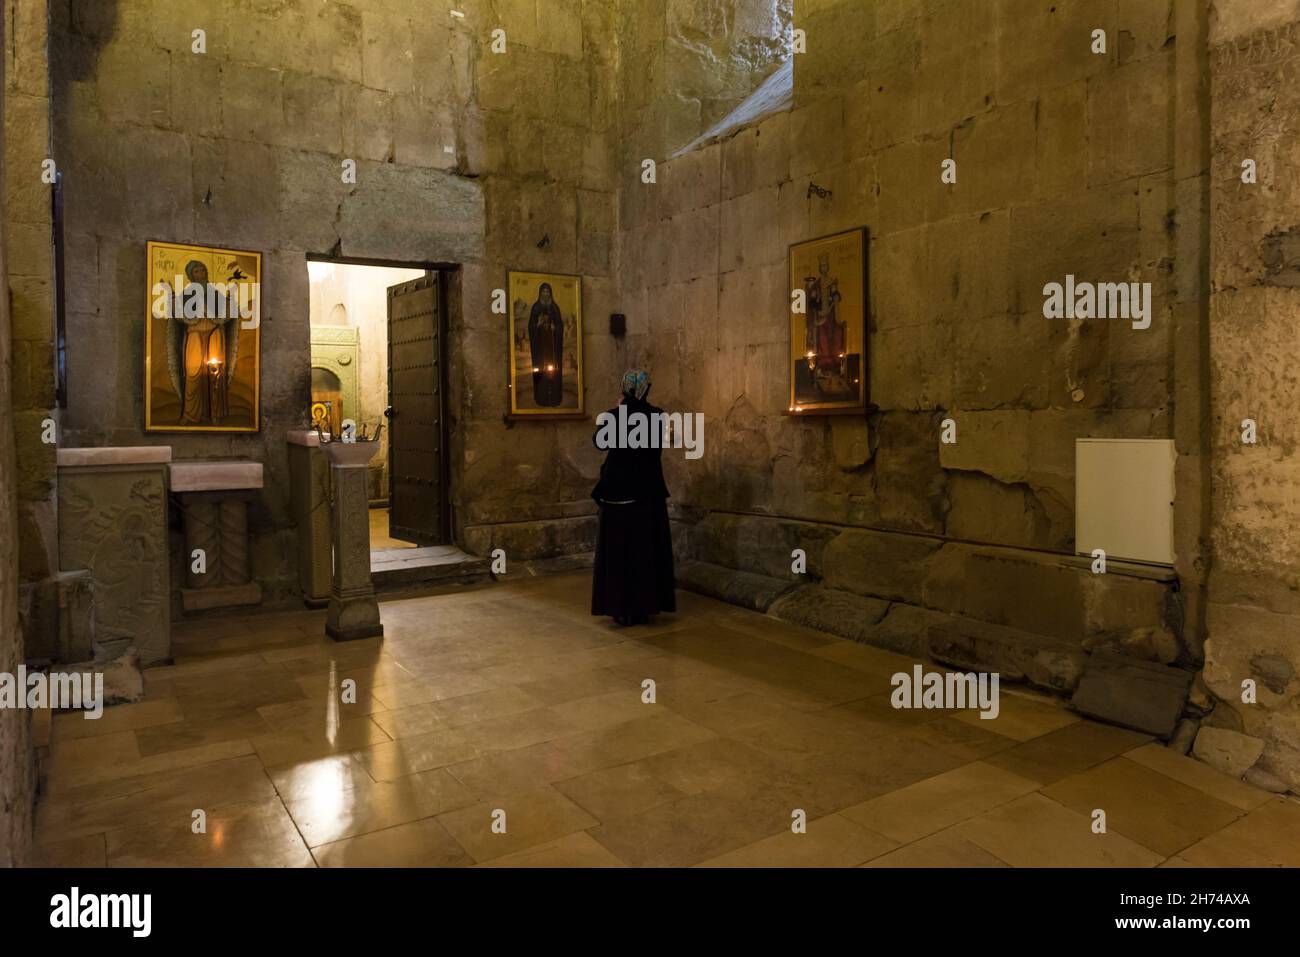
<point x="30" y="288"/>
<point x="691" y="62"/>
<point x="487" y="161"/>
<point x="548" y="160"/>
<point x="1068" y="161"/>
<point x="16" y="762"/>
<point x="1254" y="586"/>
<point x="1065" y="164"/>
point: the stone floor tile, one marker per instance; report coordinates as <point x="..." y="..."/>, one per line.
<point x="620" y="791"/>
<point x="306" y="743"/>
<point x="390" y="760"/>
<point x="943" y="849"/>
<point x="158" y="798"/>
<point x="258" y="834"/>
<point x="70" y="726"/>
<point x="1068" y="750"/>
<point x="530" y="818"/>
<point x="1194" y="774"/>
<point x="572" y="850"/>
<point x="1035" y="831"/>
<point x="1268" y="836"/>
<point x="831" y="841"/>
<point x="89" y="850"/>
<point x="423" y="843"/>
<point x="327" y="816"/>
<point x="689" y="831"/>
<point x="1022" y="718"/>
<point x="934" y="804"/>
<point x="1155" y="810"/>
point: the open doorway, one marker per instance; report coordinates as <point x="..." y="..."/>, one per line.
<point x="377" y="335"/>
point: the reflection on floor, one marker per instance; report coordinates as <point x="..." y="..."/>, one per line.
<point x="511" y="698"/>
<point x="379" y="537"/>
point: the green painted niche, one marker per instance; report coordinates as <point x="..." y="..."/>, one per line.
<point x="336" y="350"/>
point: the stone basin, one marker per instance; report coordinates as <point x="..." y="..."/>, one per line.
<point x="350" y="454"/>
<point x="215" y="476"/>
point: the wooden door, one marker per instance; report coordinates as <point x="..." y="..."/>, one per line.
<point x="417" y="487"/>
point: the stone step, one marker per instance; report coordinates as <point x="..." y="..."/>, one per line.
<point x="399" y="568"/>
<point x="556" y="565"/>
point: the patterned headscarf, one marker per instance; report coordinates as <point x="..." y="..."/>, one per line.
<point x="636" y="383"/>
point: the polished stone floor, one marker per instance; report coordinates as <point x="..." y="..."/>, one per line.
<point x="509" y="703"/>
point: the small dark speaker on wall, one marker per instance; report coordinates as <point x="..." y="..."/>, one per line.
<point x="617" y="324"/>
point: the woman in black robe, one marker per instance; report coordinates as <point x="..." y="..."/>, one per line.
<point x="546" y="340"/>
<point x="633" y="578"/>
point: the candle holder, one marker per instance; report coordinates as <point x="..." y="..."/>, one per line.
<point x="216" y="407"/>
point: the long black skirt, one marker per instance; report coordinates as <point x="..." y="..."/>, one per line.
<point x="633" y="578"/>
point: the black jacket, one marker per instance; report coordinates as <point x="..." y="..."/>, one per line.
<point x="631" y="474"/>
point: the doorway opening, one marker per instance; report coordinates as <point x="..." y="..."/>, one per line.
<point x="378" y="334"/>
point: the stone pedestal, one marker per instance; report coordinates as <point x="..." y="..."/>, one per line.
<point x="113" y="523"/>
<point x="309" y="493"/>
<point x="353" y="611"/>
<point x="214" y="502"/>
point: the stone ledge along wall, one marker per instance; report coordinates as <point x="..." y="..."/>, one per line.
<point x="1067" y="162"/>
<point x="490" y="162"/>
<point x="1254" y="593"/>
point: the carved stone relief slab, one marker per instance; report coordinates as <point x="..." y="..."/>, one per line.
<point x="113" y="523"/>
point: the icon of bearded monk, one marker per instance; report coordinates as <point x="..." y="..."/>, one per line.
<point x="202" y="349"/>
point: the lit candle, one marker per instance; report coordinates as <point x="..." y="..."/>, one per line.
<point x="214" y="389"/>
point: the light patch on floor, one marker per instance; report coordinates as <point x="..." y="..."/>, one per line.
<point x="379" y="537"/>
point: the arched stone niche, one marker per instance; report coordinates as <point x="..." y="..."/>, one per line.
<point x="335" y="350"/>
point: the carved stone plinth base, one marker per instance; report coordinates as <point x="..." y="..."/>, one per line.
<point x="352" y="618"/>
<point x="221" y="596"/>
<point x="113" y="523"/>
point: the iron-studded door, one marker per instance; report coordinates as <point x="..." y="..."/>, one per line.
<point x="417" y="489"/>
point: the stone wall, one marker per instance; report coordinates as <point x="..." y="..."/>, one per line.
<point x="1068" y="161"/>
<point x="690" y="63"/>
<point x="31" y="293"/>
<point x="16" y="775"/>
<point x="485" y="161"/>
<point x="1254" y="598"/>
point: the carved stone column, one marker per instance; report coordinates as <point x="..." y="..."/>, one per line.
<point x="353" y="611"/>
<point x="309" y="492"/>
